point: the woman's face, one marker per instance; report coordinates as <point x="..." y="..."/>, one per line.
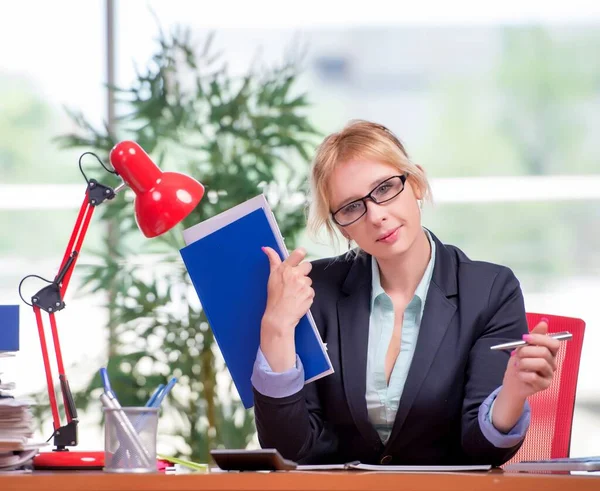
<point x="385" y="230"/>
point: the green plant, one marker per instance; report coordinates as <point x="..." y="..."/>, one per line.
<point x="239" y="136"/>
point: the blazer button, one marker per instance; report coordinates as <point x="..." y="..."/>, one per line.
<point x="386" y="460"/>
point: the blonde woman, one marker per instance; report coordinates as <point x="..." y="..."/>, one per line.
<point x="408" y="323"/>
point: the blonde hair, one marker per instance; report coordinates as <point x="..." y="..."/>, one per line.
<point x="358" y="140"/>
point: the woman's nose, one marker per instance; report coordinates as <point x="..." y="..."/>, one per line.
<point x="375" y="213"/>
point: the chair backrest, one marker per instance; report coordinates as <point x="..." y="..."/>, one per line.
<point x="549" y="434"/>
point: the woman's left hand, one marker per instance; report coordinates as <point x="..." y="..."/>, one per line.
<point x="531" y="368"/>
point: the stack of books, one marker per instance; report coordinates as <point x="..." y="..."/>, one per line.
<point x="16" y="420"/>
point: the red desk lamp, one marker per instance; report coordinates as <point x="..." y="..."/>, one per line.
<point x="162" y="200"/>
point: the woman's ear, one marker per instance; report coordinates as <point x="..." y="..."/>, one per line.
<point x="344" y="233"/>
<point x="418" y="192"/>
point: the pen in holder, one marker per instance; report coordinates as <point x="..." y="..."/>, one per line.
<point x="129" y="447"/>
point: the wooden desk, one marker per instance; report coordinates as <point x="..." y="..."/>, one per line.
<point x="296" y="481"/>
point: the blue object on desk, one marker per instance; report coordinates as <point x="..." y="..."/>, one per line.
<point x="9" y="328"/>
<point x="153" y="396"/>
<point x="154" y="402"/>
<point x="163" y="393"/>
<point x="106" y="382"/>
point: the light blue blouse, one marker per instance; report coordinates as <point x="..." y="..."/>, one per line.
<point x="383" y="399"/>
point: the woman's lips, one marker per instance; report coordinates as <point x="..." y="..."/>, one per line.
<point x="389" y="237"/>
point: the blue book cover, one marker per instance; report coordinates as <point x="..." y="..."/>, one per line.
<point x="9" y="328"/>
<point x="230" y="271"/>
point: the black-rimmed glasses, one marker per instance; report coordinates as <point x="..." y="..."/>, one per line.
<point x="385" y="191"/>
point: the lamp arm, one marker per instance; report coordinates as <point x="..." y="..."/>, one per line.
<point x="50" y="299"/>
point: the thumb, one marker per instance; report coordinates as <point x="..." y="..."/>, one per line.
<point x="541" y="328"/>
<point x="274" y="259"/>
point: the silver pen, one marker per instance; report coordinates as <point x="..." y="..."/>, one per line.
<point x="560" y="336"/>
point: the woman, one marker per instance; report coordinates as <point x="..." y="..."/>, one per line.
<point x="408" y="322"/>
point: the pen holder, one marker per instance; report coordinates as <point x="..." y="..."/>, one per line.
<point x="130" y="439"/>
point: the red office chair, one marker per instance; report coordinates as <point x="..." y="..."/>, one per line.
<point x="549" y="434"/>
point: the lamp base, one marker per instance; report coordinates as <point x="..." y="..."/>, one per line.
<point x="68" y="460"/>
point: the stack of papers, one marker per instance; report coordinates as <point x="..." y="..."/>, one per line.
<point x="16" y="429"/>
<point x="16" y="424"/>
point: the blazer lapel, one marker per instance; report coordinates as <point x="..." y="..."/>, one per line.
<point x="438" y="313"/>
<point x="353" y="315"/>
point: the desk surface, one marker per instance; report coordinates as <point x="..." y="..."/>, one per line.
<point x="296" y="481"/>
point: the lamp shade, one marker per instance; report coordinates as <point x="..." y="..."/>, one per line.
<point x="162" y="199"/>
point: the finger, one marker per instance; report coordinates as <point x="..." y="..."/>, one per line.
<point x="307" y="281"/>
<point x="543" y="340"/>
<point x="274" y="259"/>
<point x="305" y="268"/>
<point x="296" y="257"/>
<point x="534" y="380"/>
<point x="308" y="300"/>
<point x="540" y="328"/>
<point x="540" y="352"/>
<point x="538" y="365"/>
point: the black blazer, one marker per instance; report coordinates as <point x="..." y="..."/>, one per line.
<point x="470" y="306"/>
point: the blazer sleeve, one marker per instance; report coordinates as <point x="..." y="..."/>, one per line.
<point x="505" y="321"/>
<point x="294" y="426"/>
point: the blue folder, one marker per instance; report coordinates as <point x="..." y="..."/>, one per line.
<point x="230" y="271"/>
<point x="9" y="328"/>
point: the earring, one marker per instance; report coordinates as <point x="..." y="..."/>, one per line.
<point x="420" y="202"/>
<point x="349" y="245"/>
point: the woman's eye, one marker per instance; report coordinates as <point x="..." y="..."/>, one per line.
<point x="351" y="207"/>
<point x="384" y="187"/>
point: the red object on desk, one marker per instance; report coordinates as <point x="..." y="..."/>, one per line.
<point x="69" y="460"/>
<point x="162" y="200"/>
<point x="81" y="461"/>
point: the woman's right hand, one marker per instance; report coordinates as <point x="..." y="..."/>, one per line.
<point x="289" y="297"/>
